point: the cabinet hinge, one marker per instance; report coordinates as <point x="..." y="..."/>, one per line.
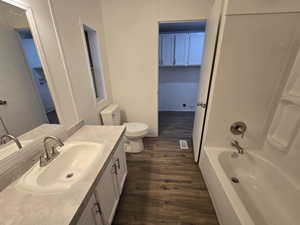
<point x="98" y="208"/>
<point x="118" y="162"/>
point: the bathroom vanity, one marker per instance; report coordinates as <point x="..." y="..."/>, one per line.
<point x="82" y="185"/>
<point x="103" y="202"/>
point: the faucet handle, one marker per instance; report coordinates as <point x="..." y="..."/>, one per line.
<point x="238" y="128"/>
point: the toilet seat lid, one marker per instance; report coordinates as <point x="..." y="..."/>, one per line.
<point x="136" y="129"/>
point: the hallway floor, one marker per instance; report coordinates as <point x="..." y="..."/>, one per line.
<point x="164" y="186"/>
<point x="176" y="124"/>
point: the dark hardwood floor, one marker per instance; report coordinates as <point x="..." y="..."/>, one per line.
<point x="176" y="124"/>
<point x="164" y="186"/>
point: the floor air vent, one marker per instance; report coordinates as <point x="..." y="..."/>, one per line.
<point x="183" y="144"/>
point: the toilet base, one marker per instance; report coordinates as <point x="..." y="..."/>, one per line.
<point x="134" y="145"/>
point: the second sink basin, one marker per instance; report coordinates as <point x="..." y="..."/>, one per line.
<point x="70" y="166"/>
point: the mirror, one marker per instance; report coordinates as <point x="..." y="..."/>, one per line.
<point x="25" y="100"/>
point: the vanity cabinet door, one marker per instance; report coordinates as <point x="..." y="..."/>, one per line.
<point x="120" y="161"/>
<point x="107" y="192"/>
<point x="91" y="214"/>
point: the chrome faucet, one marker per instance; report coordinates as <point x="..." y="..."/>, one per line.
<point x="236" y="144"/>
<point x="10" y="137"/>
<point x="45" y="158"/>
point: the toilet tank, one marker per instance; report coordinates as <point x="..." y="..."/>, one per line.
<point x="111" y="115"/>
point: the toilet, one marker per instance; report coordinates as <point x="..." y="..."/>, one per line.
<point x="135" y="132"/>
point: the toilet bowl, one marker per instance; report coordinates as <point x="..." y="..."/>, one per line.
<point x="135" y="132"/>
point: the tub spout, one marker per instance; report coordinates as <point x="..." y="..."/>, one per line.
<point x="237" y="146"/>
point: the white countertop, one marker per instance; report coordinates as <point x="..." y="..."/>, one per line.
<point x="24" y="208"/>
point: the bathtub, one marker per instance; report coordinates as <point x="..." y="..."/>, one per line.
<point x="264" y="195"/>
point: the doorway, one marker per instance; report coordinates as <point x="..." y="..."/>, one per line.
<point x="181" y="47"/>
<point x="38" y="76"/>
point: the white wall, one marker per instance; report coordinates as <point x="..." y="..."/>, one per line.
<point x="177" y="86"/>
<point x="24" y="110"/>
<point x="250" y="71"/>
<point x="131" y="34"/>
<point x="69" y="21"/>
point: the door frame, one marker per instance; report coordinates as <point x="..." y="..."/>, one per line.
<point x="158" y="62"/>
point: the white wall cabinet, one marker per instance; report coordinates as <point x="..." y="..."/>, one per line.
<point x="103" y="203"/>
<point x="181" y="49"/>
<point x="167" y="49"/>
<point x="196" y="45"/>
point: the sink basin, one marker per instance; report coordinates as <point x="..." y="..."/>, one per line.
<point x="11" y="147"/>
<point x="74" y="162"/>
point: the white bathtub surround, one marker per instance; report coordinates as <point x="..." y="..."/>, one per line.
<point x="265" y="195"/>
<point x="268" y="192"/>
<point x="283" y="140"/>
<point x="248" y="78"/>
<point x="257" y="48"/>
<point x="27" y="208"/>
<point x="285" y="124"/>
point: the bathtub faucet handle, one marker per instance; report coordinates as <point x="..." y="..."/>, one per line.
<point x="238" y="128"/>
